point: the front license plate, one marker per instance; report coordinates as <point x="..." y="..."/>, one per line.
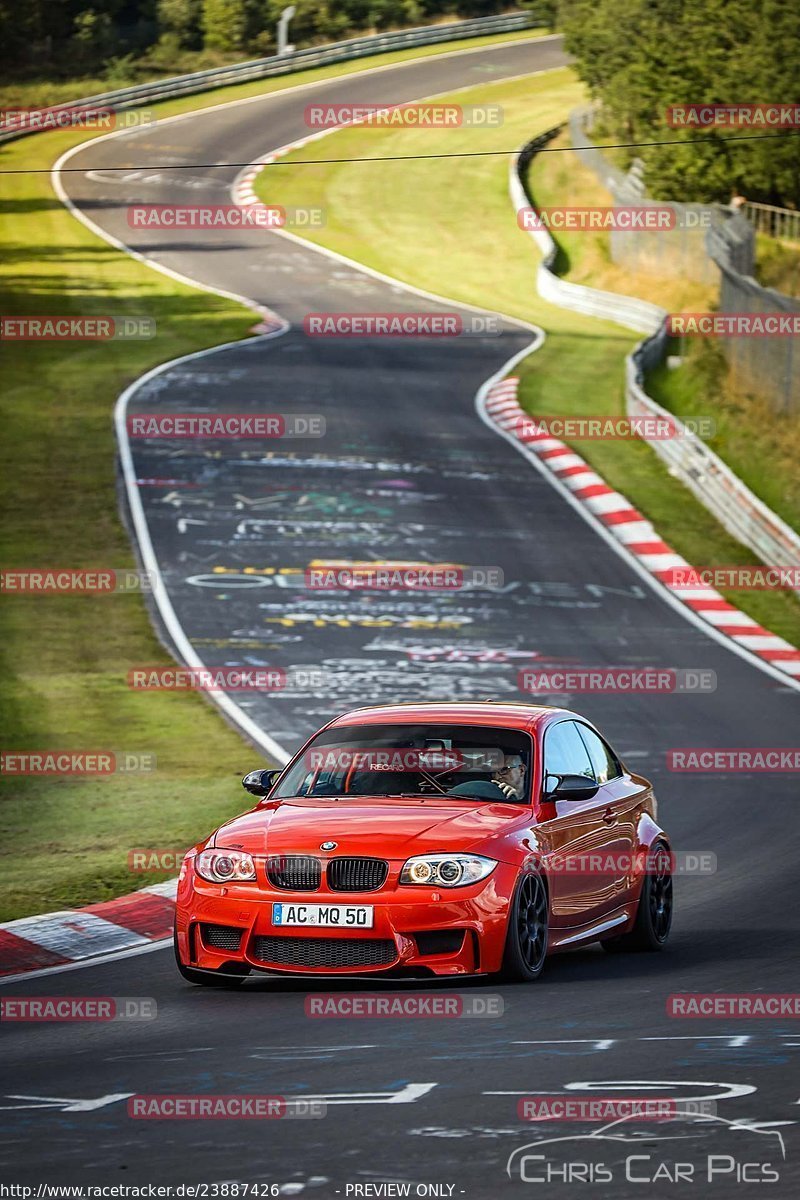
<point x="340" y="916"/>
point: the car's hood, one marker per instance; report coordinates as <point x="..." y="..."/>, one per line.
<point x="382" y="828"/>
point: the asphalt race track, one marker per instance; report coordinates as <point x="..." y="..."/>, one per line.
<point x="408" y="471"/>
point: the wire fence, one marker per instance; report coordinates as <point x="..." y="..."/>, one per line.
<point x="688" y="458"/>
<point x="677" y="251"/>
<point x="710" y="244"/>
<point x="766" y="366"/>
<point x="781" y="223"/>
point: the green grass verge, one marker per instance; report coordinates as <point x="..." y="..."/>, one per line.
<point x="447" y="225"/>
<point x="63" y="660"/>
<point x="761" y="446"/>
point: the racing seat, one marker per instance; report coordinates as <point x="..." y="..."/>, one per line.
<point x="387" y="783"/>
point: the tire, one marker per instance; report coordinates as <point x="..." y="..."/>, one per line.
<point x="528" y="925"/>
<point x="214" y="979"/>
<point x="654" y="912"/>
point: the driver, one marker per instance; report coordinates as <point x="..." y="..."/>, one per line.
<point x="510" y="778"/>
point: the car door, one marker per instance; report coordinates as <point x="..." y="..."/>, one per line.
<point x="584" y="839"/>
<point x="621" y="800"/>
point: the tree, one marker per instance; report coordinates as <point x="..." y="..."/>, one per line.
<point x="224" y="24"/>
<point x="93" y="36"/>
<point x="181" y="19"/>
<point x="639" y="57"/>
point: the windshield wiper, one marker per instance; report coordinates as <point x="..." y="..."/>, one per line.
<point x="439" y="796"/>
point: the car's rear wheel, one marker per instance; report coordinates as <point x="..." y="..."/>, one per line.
<point x="217" y="979"/>
<point x="654" y="913"/>
<point x="528" y="924"/>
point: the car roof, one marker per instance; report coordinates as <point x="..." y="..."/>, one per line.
<point x="468" y="712"/>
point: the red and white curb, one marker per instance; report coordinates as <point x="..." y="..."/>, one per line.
<point x="242" y="189"/>
<point x="634" y="533"/>
<point x="58" y="938"/>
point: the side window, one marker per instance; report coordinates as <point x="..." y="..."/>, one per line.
<point x="564" y="751"/>
<point x="604" y="761"/>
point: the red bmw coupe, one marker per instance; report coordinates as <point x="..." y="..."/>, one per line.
<point x="429" y="839"/>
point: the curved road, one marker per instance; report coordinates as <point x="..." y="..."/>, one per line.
<point x="407" y="470"/>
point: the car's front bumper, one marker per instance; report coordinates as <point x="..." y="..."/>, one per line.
<point x="396" y="942"/>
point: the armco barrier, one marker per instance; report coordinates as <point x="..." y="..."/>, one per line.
<point x="733" y="504"/>
<point x="285" y="64"/>
<point x="634" y="314"/>
<point x="705" y="474"/>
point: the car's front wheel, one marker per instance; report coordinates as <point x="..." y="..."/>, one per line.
<point x="654" y="914"/>
<point x="528" y="924"/>
<point x="218" y="979"/>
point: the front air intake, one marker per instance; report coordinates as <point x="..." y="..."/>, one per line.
<point x="221" y="937"/>
<point x="439" y="941"/>
<point x="294" y="872"/>
<point x="357" y="874"/>
<point x="325" y="952"/>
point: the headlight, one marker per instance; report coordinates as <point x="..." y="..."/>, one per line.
<point x="446" y="870"/>
<point x="225" y="866"/>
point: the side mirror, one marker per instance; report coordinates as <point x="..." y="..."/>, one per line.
<point x="260" y="783"/>
<point x="572" y="787"/>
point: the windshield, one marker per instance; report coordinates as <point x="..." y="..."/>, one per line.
<point x="475" y="762"/>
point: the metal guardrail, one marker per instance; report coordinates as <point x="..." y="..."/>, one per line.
<point x="776" y="222"/>
<point x="283" y="64"/>
<point x="639" y="315"/>
<point x="714" y="484"/>
<point x="688" y="457"/>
